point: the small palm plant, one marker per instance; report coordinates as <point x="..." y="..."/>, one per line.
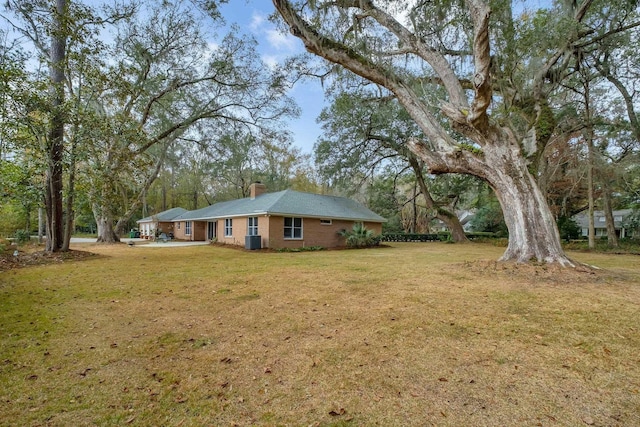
<point x="359" y="236"/>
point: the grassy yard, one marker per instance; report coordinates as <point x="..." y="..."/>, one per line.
<point x="407" y="335"/>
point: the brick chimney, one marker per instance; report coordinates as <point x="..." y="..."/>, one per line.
<point x="257" y="188"/>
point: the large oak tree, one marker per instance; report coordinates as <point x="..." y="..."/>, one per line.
<point x="460" y="67"/>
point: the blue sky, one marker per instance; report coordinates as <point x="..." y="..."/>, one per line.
<point x="252" y="16"/>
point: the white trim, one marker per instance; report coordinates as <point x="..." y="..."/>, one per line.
<point x="230" y="227"/>
<point x="246" y="215"/>
<point x="252" y="230"/>
<point x="293" y="228"/>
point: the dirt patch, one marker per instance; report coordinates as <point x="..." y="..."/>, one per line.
<point x="9" y="260"/>
<point x="546" y="273"/>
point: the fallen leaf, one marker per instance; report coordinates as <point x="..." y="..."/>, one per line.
<point x="443" y="379"/>
<point x="338" y="412"/>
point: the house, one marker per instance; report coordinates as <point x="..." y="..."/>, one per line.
<point x="600" y="222"/>
<point x="161" y="222"/>
<point x="285" y="219"/>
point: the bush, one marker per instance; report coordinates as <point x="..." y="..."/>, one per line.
<point x="489" y="218"/>
<point x="442" y="236"/>
<point x="360" y="236"/>
<point x="22" y="236"/>
<point x="302" y="249"/>
<point x="568" y="228"/>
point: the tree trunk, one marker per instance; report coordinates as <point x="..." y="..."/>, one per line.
<point x="40" y="224"/>
<point x="414" y="210"/>
<point x="590" y="192"/>
<point x="533" y="234"/>
<point x="450" y="219"/>
<point x="70" y="218"/>
<point x="106" y="234"/>
<point x="612" y="238"/>
<point x="27" y="222"/>
<point x="104" y="219"/>
<point x="53" y="179"/>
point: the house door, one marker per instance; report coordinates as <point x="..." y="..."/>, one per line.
<point x="211" y="230"/>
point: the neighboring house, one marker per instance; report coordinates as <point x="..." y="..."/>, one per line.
<point x="285" y="219"/>
<point x="619" y="219"/>
<point x="162" y="222"/>
<point x="464" y="217"/>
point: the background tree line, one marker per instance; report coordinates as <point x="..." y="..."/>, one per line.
<point x="116" y="112"/>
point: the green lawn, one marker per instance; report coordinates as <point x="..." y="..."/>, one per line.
<point x="407" y="335"/>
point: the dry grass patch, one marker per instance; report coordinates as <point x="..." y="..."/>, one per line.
<point x="410" y="335"/>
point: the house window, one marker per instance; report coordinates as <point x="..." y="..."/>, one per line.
<point x="293" y="228"/>
<point x="179" y="225"/>
<point x="228" y="227"/>
<point x="187" y="228"/>
<point x="601" y="219"/>
<point x="325" y="222"/>
<point x="252" y="226"/>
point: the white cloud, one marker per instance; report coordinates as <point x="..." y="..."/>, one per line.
<point x="271" y="61"/>
<point x="280" y="40"/>
<point x="257" y="21"/>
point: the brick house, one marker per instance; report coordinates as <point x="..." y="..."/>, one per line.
<point x="285" y="219"/>
<point x="161" y="222"/>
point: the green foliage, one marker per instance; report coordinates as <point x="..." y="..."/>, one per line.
<point x="568" y="228"/>
<point x="410" y="237"/>
<point x="471" y="148"/>
<point x="302" y="249"/>
<point x="12" y="217"/>
<point x="360" y="236"/>
<point x="22" y="236"/>
<point x="489" y="218"/>
<point x="632" y="223"/>
<point x="386" y="201"/>
<point x="443" y="236"/>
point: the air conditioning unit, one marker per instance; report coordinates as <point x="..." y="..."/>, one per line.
<point x="253" y="242"/>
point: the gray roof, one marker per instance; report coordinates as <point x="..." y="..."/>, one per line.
<point x="164" y="216"/>
<point x="582" y="219"/>
<point x="286" y="203"/>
